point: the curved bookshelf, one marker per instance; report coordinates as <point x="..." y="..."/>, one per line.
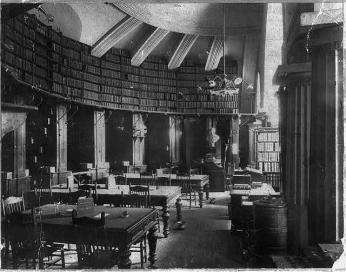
<point x="44" y="59"/>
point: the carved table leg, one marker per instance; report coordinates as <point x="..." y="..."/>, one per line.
<point x="165" y="217"/>
<point x="200" y="194"/>
<point x="125" y="254"/>
<point x="207" y="187"/>
<point x="152" y="239"/>
<point x="178" y="206"/>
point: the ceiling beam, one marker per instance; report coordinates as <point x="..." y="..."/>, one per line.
<point x="114" y="35"/>
<point x="183" y="48"/>
<point x="148" y="46"/>
<point x="215" y="54"/>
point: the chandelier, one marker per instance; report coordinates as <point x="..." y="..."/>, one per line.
<point x="221" y="84"/>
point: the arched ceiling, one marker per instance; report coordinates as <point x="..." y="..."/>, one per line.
<point x="157" y="28"/>
<point x="197" y="18"/>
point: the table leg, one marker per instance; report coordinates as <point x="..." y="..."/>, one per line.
<point x="165" y="217"/>
<point x="178" y="206"/>
<point x="152" y="239"/>
<point x="125" y="254"/>
<point x="207" y="187"/>
<point x="200" y="194"/>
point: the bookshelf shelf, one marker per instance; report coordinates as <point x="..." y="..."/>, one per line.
<point x="267" y="154"/>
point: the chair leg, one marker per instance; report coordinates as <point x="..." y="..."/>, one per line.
<point x="141" y="253"/>
<point x="62" y="258"/>
<point x="190" y="199"/>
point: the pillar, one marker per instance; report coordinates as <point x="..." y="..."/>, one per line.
<point x="99" y="139"/>
<point x="61" y="131"/>
<point x="272" y="58"/>
<point x="234" y="139"/>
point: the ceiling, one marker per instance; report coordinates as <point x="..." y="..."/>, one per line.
<point x="89" y="22"/>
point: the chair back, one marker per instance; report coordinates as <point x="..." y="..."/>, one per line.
<point x="147" y="179"/>
<point x="121" y="180"/>
<point x="89" y="190"/>
<point x="12" y="205"/>
<point x="185" y="183"/>
<point x="43" y="196"/>
<point x="163" y="181"/>
<point x="92" y="254"/>
<point x="139" y="197"/>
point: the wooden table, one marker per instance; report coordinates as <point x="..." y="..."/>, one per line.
<point x="199" y="183"/>
<point x="120" y="232"/>
<point x="240" y="208"/>
<point x="264" y="190"/>
<point x="161" y="196"/>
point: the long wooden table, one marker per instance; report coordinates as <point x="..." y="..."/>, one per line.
<point x="118" y="231"/>
<point x="199" y="183"/>
<point x="160" y="196"/>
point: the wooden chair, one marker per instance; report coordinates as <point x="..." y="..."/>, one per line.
<point x="121" y="180"/>
<point x="139" y="198"/>
<point x="12" y="205"/>
<point x="93" y="255"/>
<point x="27" y="244"/>
<point x="147" y="179"/>
<point x="90" y="190"/>
<point x="163" y="181"/>
<point x="43" y="196"/>
<point x="187" y="191"/>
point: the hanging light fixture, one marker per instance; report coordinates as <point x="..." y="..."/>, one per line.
<point x="222" y="84"/>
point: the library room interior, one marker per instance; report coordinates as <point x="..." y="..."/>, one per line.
<point x="152" y="135"/>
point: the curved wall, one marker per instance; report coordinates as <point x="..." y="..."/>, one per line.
<point x="40" y="56"/>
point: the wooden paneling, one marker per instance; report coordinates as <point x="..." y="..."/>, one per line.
<point x="119" y="138"/>
<point x="20" y="151"/>
<point x="157" y="148"/>
<point x="194" y="140"/>
<point x="7" y="152"/>
<point x="80" y="138"/>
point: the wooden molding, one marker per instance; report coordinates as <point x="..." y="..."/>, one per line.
<point x="215" y="54"/>
<point x="332" y="16"/>
<point x="296" y="70"/>
<point x="183" y="48"/>
<point x="114" y="35"/>
<point x="148" y="46"/>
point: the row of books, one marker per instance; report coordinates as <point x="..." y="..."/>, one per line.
<point x="268" y="136"/>
<point x="186" y="83"/>
<point x="268" y="146"/>
<point x="273" y="179"/>
<point x="151" y="80"/>
<point x="208" y="110"/>
<point x="212" y="104"/>
<point x="268" y="156"/>
<point x="110" y="98"/>
<point x="269" y="166"/>
<point x="208" y="97"/>
<point x="145" y="72"/>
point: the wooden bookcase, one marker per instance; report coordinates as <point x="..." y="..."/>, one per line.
<point x="39" y="56"/>
<point x="267" y="150"/>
